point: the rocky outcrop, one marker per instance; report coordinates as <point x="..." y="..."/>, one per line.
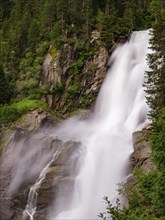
<point x="30" y="148"/>
<point x="94" y="72"/>
<point x="70" y="79"/>
<point x="36" y="119"/>
<point x="59" y="181"/>
<point x="141" y="156"/>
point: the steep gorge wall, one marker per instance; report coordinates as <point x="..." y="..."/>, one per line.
<point x="36" y="153"/>
<point x="72" y="78"/>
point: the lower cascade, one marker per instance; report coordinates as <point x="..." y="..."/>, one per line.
<point x="32" y="198"/>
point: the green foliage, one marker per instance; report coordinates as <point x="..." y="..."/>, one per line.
<point x="56" y="36"/>
<point x="85" y="102"/>
<point x="158" y="140"/>
<point x="73" y="90"/>
<point x="155" y="79"/>
<point x="58" y="88"/>
<point x="82" y="55"/>
<point x="113" y="211"/>
<point x="25" y="87"/>
<point x="29" y="29"/>
<point x="46" y="25"/>
<point x="30" y="70"/>
<point x="46" y="90"/>
<point x="12" y="112"/>
<point x="146" y="199"/>
<point x="142" y="198"/>
<point x="42" y="48"/>
<point x="33" y="34"/>
<point x="106" y="24"/>
<point x="5" y="91"/>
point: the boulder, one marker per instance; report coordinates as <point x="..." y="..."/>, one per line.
<point x="141" y="157"/>
<point x="34" y="120"/>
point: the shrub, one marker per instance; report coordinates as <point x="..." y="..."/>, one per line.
<point x="58" y="88"/>
<point x="12" y="112"/>
<point x="73" y="90"/>
<point x="42" y="48"/>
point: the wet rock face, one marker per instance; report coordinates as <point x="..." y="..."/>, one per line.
<point x="24" y="157"/>
<point x="141" y="156"/>
<point x="56" y="190"/>
<point x="20" y="166"/>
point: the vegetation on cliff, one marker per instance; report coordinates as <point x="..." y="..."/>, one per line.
<point x="31" y="29"/>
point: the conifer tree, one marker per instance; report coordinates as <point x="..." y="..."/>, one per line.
<point x="5" y="93"/>
<point x="155" y="85"/>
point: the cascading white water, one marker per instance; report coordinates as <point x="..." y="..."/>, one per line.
<point x="32" y="198"/>
<point x="120" y="110"/>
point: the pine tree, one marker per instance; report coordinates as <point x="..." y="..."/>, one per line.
<point x="33" y="34"/>
<point x="5" y="92"/>
<point x="87" y="14"/>
<point x="155" y="85"/>
<point x="108" y="24"/>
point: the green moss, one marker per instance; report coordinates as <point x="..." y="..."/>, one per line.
<point x="45" y="90"/>
<point x="58" y="88"/>
<point x="139" y="140"/>
<point x="73" y="90"/>
<point x="12" y="112"/>
<point x="53" y="52"/>
<point x="76" y="111"/>
<point x="85" y="102"/>
<point x="71" y="41"/>
<point x="3" y="140"/>
<point x="42" y="48"/>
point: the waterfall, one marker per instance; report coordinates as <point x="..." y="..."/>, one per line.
<point x="104" y="137"/>
<point x="120" y="110"/>
<point x="32" y="198"/>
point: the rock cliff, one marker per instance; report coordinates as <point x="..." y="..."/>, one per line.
<point x="141" y="157"/>
<point x="73" y="74"/>
<point x="31" y="147"/>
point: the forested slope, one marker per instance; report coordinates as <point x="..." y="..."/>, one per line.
<point x="31" y="29"/>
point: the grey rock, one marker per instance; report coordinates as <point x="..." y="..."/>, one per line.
<point x="57" y="71"/>
<point x="141" y="156"/>
<point x="36" y="148"/>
